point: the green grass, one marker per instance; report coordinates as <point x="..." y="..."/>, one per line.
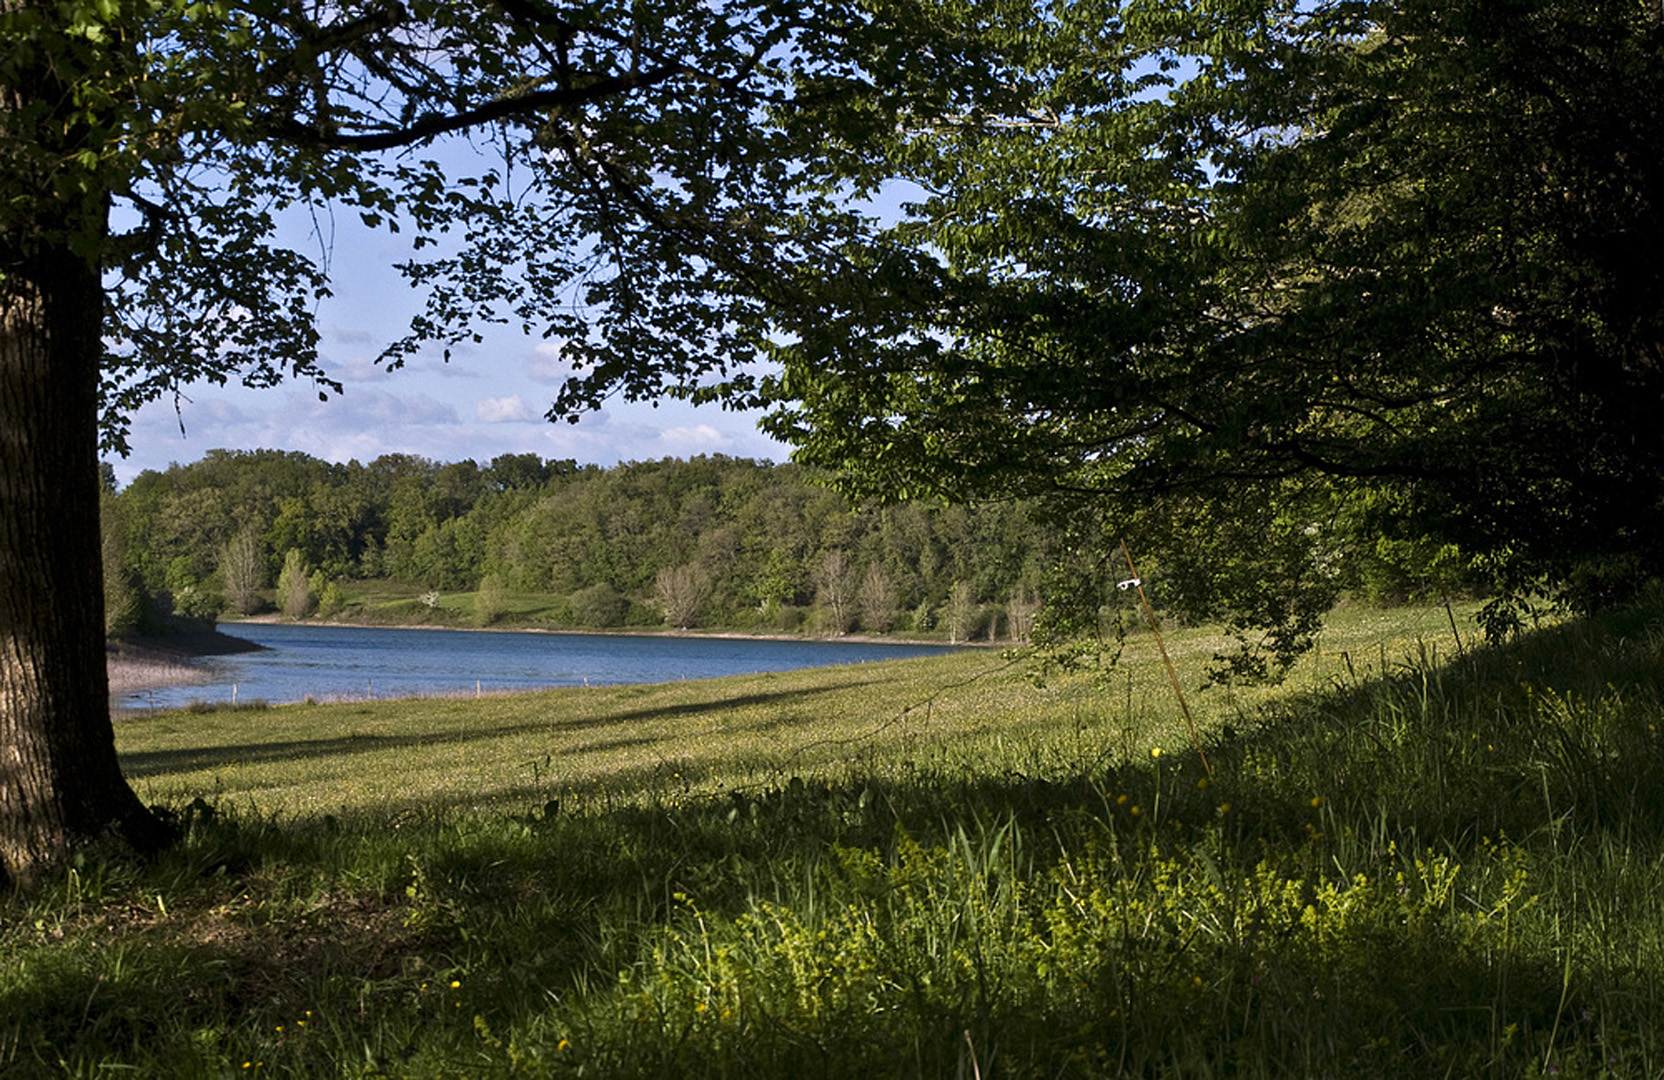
<point x="710" y="736"/>
<point x="1408" y="862"/>
<point x="378" y="601"/>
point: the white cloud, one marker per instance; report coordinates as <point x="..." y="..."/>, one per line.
<point x="694" y="439"/>
<point x="359" y="410"/>
<point x="368" y="421"/>
<point x="361" y="423"/>
<point x="347" y="335"/>
<point x="359" y="369"/>
<point x="545" y="365"/>
<point x="451" y="369"/>
<point x="503" y="410"/>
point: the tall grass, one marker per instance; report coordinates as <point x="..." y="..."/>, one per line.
<point x="1443" y="865"/>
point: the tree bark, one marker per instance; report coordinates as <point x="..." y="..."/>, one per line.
<point x="60" y="782"/>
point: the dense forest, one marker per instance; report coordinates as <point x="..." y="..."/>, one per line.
<point x="715" y="542"/>
<point x="712" y="542"/>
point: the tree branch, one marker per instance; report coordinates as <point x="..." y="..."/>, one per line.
<point x="434" y="125"/>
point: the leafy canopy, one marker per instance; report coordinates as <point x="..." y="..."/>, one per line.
<point x="1247" y="280"/>
<point x="644" y="172"/>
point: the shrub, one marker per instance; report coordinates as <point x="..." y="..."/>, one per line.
<point x="491" y="599"/>
<point x="599" y="605"/>
<point x="294" y="591"/>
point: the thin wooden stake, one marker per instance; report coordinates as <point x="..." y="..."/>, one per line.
<point x="1453" y="631"/>
<point x="1172" y="675"/>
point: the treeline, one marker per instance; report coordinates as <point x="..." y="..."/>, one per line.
<point x="715" y="541"/>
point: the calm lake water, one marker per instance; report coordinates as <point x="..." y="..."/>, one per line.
<point x="356" y="663"/>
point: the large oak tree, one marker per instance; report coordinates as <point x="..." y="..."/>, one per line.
<point x="646" y="169"/>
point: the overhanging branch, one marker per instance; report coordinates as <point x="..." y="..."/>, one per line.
<point x="501" y="108"/>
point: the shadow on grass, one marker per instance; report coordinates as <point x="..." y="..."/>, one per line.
<point x="162" y="763"/>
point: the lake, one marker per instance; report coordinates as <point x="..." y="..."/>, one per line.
<point x="333" y="663"/>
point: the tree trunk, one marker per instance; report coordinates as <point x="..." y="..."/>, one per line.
<point x="60" y="783"/>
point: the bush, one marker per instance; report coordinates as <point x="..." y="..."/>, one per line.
<point x="330" y="599"/>
<point x="599" y="606"/>
<point x="197" y="602"/>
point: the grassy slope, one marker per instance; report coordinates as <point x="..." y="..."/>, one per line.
<point x="1448" y="871"/>
<point x="711" y="735"/>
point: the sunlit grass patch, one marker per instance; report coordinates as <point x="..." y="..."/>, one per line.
<point x="696" y="736"/>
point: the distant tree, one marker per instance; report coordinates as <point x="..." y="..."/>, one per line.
<point x="775" y="582"/>
<point x="961" y="615"/>
<point x="292" y="528"/>
<point x="328" y="594"/>
<point x="294" y="591"/>
<point x="834" y="580"/>
<point x="490" y="599"/>
<point x="515" y="472"/>
<point x="343" y="518"/>
<point x="599" y="606"/>
<point x="446" y="555"/>
<point x="1020" y="610"/>
<point x="192" y="525"/>
<point x="877" y="600"/>
<point x="243" y="572"/>
<point x="124" y="598"/>
<point x="682" y="592"/>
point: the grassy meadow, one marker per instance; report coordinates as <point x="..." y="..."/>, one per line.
<point x="1416" y="858"/>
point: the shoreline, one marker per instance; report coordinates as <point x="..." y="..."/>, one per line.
<point x="721" y="635"/>
<point x="208" y="641"/>
<point x="178" y="659"/>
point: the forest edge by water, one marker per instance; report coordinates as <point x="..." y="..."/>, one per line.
<point x="708" y="543"/>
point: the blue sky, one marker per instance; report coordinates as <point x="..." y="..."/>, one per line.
<point x="489" y="400"/>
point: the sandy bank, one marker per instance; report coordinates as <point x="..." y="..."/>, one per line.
<point x="170" y="660"/>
